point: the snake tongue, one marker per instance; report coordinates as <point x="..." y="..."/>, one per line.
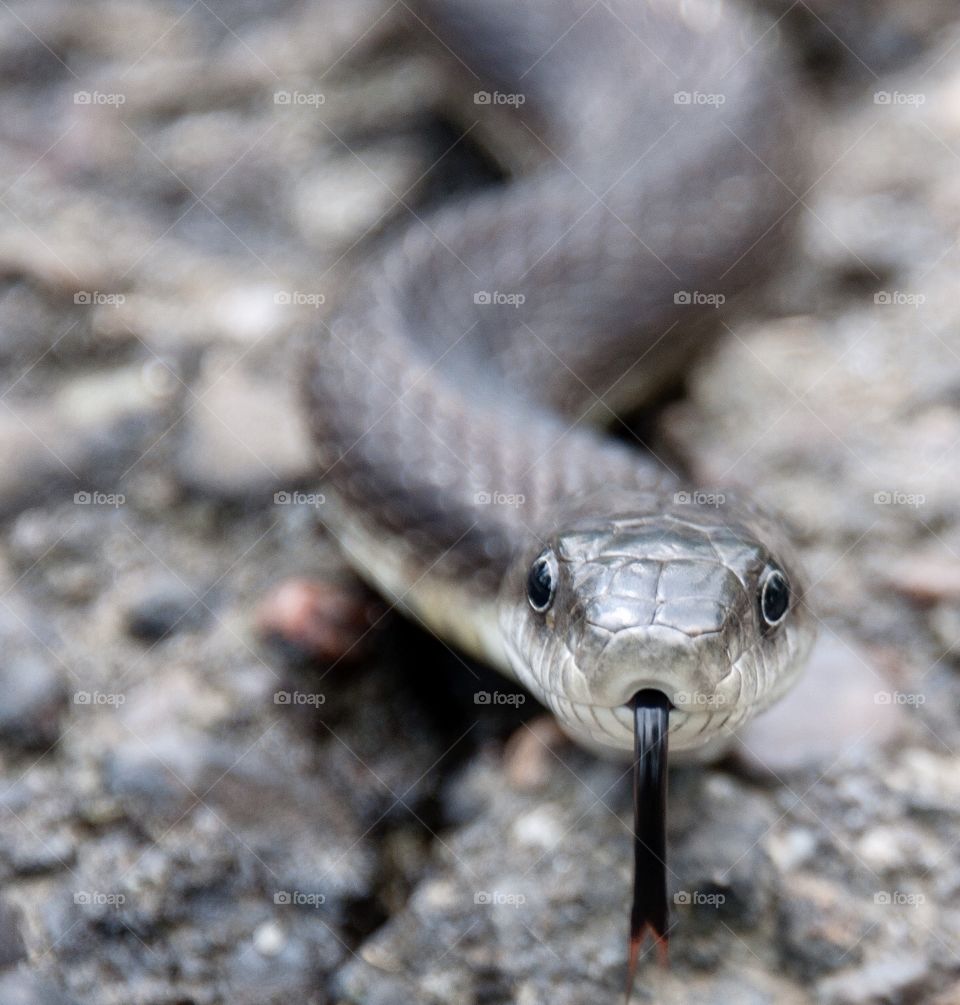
<point x="651" y="713"/>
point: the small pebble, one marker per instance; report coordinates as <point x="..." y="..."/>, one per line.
<point x="162" y="608"/>
<point x="841" y="704"/>
<point x="32" y="694"/>
<point x="821" y="926"/>
<point x="792" y="849"/>
<point x="528" y="756"/>
<point x="269" y="939"/>
<point x="323" y="621"/>
<point x="244" y="440"/>
<point x="926" y="578"/>
<point x="21" y="987"/>
<point x="945" y="622"/>
<point x="12" y="947"/>
<point x="901" y="977"/>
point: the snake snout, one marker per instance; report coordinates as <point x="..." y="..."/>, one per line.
<point x="675" y="625"/>
<point x="686" y="669"/>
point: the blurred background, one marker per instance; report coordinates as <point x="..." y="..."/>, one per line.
<point x="200" y="802"/>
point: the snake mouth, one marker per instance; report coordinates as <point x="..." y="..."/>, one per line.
<point x="613" y="727"/>
<point x="649" y="912"/>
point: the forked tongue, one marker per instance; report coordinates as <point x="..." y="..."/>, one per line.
<point x="651" y="714"/>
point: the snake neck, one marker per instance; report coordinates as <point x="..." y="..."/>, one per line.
<point x="451" y="395"/>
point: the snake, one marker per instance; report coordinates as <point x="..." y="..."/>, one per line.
<point x="466" y="397"/>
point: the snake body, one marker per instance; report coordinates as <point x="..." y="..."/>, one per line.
<point x="458" y="398"/>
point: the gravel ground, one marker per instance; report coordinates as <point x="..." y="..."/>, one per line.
<point x="191" y="815"/>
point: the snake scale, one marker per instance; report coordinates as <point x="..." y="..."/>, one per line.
<point x="462" y="397"/>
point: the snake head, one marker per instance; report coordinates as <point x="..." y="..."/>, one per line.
<point x="700" y="596"/>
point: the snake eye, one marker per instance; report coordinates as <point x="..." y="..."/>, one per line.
<point x="774" y="597"/>
<point x="542" y="581"/>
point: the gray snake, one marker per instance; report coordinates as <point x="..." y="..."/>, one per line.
<point x="454" y="434"/>
<point x="458" y="399"/>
